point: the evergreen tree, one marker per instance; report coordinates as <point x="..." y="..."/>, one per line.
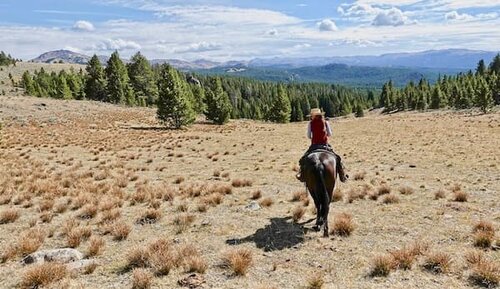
<point x="359" y="111"/>
<point x="218" y="105"/>
<point x="495" y="65"/>
<point x="481" y="68"/>
<point x="28" y="83"/>
<point x="437" y="97"/>
<point x="95" y="84"/>
<point x="62" y="89"/>
<point x="484" y="97"/>
<point x="281" y="107"/>
<point x="198" y="98"/>
<point x="142" y="79"/>
<point x="174" y="107"/>
<point x="118" y="87"/>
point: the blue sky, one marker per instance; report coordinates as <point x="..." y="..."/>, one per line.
<point x="244" y="29"/>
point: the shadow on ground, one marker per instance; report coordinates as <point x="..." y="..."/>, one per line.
<point x="280" y="234"/>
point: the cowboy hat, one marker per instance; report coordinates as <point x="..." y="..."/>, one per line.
<point x="315" y="112"/>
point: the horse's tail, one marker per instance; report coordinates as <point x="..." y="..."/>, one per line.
<point x="320" y="183"/>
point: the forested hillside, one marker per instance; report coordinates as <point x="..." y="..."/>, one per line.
<point x="464" y="90"/>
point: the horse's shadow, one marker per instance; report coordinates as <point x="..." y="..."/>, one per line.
<point x="280" y="234"/>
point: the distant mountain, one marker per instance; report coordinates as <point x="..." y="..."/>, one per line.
<point x="449" y="58"/>
<point x="357" y="76"/>
<point x="65" y="56"/>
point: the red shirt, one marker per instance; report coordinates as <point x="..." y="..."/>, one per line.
<point x="319" y="133"/>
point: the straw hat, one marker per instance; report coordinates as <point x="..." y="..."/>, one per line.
<point x="315" y="112"/>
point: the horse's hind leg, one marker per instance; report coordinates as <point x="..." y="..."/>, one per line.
<point x="324" y="214"/>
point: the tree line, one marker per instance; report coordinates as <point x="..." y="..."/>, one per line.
<point x="180" y="97"/>
<point x="6" y="59"/>
<point x="465" y="90"/>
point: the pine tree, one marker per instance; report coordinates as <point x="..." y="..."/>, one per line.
<point x="174" y="107"/>
<point x="28" y="83"/>
<point x="281" y="107"/>
<point x="484" y="97"/>
<point x="118" y="88"/>
<point x="198" y="98"/>
<point x="95" y="84"/>
<point x="218" y="105"/>
<point x="62" y="89"/>
<point x="495" y="65"/>
<point x="436" y="97"/>
<point x="359" y="111"/>
<point x="481" y="68"/>
<point x="142" y="79"/>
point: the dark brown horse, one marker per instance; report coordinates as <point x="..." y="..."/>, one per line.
<point x="320" y="175"/>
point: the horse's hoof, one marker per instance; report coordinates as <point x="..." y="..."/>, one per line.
<point x="316" y="228"/>
<point x="326" y="235"/>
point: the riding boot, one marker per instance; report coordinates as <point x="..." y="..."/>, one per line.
<point x="341" y="170"/>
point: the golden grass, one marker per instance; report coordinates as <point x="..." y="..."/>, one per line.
<point x="96" y="245"/>
<point x="141" y="278"/>
<point x="266" y="202"/>
<point x="120" y="230"/>
<point x="238" y="261"/>
<point x="437" y="262"/>
<point x="150" y="216"/>
<point x="343" y="225"/>
<point x="9" y="216"/>
<point x="390" y="199"/>
<point x="337" y="195"/>
<point x="183" y="222"/>
<point x="460" y="196"/>
<point x="486" y="274"/>
<point x="41" y="275"/>
<point x="382" y="266"/>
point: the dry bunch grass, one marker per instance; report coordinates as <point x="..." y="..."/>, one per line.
<point x="120" y="230"/>
<point x="439" y="194"/>
<point x="460" y="196"/>
<point x="315" y="281"/>
<point x="298" y="213"/>
<point x="266" y="202"/>
<point x="343" y="225"/>
<point x="141" y="278"/>
<point x="437" y="262"/>
<point x="9" y="216"/>
<point x="256" y="195"/>
<point x="382" y="266"/>
<point x="390" y="199"/>
<point x="96" y="245"/>
<point x="41" y="275"/>
<point x="238" y="260"/>
<point x="183" y="222"/>
<point x="406" y="190"/>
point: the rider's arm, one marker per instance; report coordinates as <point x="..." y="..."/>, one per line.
<point x="309" y="132"/>
<point x="328" y="128"/>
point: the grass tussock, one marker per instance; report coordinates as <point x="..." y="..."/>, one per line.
<point x="298" y="213"/>
<point x="390" y="199"/>
<point x="266" y="202"/>
<point x="486" y="274"/>
<point x="382" y="266"/>
<point x="183" y="222"/>
<point x="343" y="225"/>
<point x="316" y="281"/>
<point x="42" y="275"/>
<point x="256" y="195"/>
<point x="120" y="230"/>
<point x="299" y="196"/>
<point x="359" y="176"/>
<point x="96" y="245"/>
<point x="161" y="256"/>
<point x="406" y="190"/>
<point x="30" y="241"/>
<point x="150" y="216"/>
<point x="460" y="196"/>
<point x="403" y="258"/>
<point x="9" y="216"/>
<point x="238" y="261"/>
<point x="337" y="195"/>
<point x="238" y="183"/>
<point x="439" y="194"/>
<point x="483" y="239"/>
<point x="141" y="278"/>
<point x="437" y="262"/>
<point x="384" y="190"/>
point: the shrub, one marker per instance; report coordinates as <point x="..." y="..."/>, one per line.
<point x="403" y="258"/>
<point x="95" y="246"/>
<point x="337" y="196"/>
<point x="483" y="239"/>
<point x="162" y="256"/>
<point x="486" y="273"/>
<point x="460" y="196"/>
<point x="297" y="213"/>
<point x="256" y="195"/>
<point x="138" y="258"/>
<point x="390" y="199"/>
<point x="120" y="231"/>
<point x="149" y="217"/>
<point x="267" y="202"/>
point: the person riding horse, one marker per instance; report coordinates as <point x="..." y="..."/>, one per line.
<point x="318" y="131"/>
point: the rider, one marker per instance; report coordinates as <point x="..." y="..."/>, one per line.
<point x="318" y="130"/>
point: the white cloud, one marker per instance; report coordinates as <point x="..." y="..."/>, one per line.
<point x="116" y="44"/>
<point x="82" y="25"/>
<point x="199" y="47"/>
<point x="272" y="32"/>
<point x="302" y="46"/>
<point x="454" y="15"/>
<point x="355" y="42"/>
<point x="357" y="9"/>
<point x="390" y="17"/>
<point x="327" y="25"/>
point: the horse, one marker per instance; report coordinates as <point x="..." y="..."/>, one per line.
<point x="320" y="176"/>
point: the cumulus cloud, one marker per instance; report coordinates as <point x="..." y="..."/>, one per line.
<point x="82" y="25"/>
<point x="199" y="47"/>
<point x="116" y="44"/>
<point x="355" y="42"/>
<point x="390" y="17"/>
<point x="454" y="15"/>
<point x="357" y="9"/>
<point x="327" y="25"/>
